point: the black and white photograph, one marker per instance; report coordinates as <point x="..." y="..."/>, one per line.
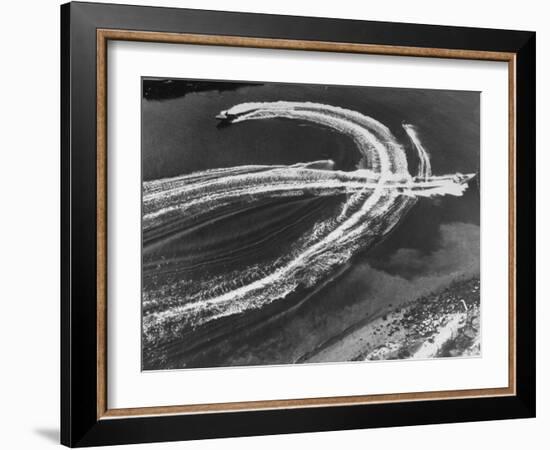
<point x="299" y="223"/>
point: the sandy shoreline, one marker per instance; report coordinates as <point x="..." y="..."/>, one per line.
<point x="441" y="324"/>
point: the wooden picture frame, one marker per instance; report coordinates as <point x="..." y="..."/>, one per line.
<point x="86" y="418"/>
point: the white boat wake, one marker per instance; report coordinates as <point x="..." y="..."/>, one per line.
<point x="375" y="197"/>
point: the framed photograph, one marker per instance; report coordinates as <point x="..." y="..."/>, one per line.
<point x="276" y="224"/>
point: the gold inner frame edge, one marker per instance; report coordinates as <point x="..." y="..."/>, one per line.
<point x="103" y="36"/>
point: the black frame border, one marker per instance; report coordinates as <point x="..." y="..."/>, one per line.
<point x="79" y="423"/>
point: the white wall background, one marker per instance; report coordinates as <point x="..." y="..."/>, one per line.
<point x="29" y="224"/>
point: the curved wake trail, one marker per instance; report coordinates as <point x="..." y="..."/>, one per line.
<point x="374" y="198"/>
<point x="425" y="168"/>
